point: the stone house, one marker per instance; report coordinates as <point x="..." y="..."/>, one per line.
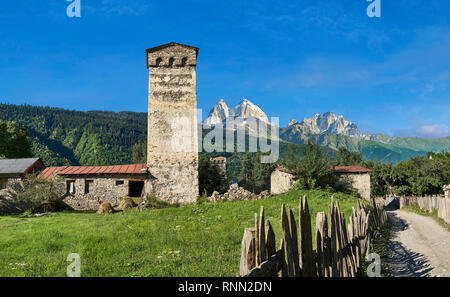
<point x="220" y="162"/>
<point x="356" y="178"/>
<point x="281" y="181"/>
<point x="446" y="190"/>
<point x="86" y="187"/>
<point x="15" y="170"/>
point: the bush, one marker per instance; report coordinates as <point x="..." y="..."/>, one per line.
<point x="34" y="194"/>
<point x="154" y="203"/>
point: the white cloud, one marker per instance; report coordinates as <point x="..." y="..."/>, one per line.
<point x="425" y="131"/>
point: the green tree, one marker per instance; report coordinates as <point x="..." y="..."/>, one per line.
<point x="210" y="177"/>
<point x="246" y="174"/>
<point x="314" y="168"/>
<point x="346" y="158"/>
<point x="292" y="159"/>
<point x="14" y="141"/>
<point x="261" y="173"/>
<point x="139" y="152"/>
<point x="33" y="191"/>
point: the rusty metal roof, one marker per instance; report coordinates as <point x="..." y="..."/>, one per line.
<point x="50" y="172"/>
<point x="350" y="169"/>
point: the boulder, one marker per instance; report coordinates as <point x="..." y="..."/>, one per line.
<point x="105" y="208"/>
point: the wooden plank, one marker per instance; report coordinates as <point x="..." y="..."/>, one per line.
<point x="248" y="256"/>
<point x="261" y="237"/>
<point x="294" y="240"/>
<point x="307" y="259"/>
<point x="287" y="242"/>
<point x="284" y="269"/>
<point x="333" y="241"/>
<point x="320" y="243"/>
<point x="270" y="239"/>
<point x="257" y="240"/>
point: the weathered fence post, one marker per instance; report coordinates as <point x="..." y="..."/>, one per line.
<point x="248" y="255"/>
<point x="292" y="266"/>
<point x="307" y="259"/>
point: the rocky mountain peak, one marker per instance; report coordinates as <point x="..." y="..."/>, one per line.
<point x="244" y="110"/>
<point x="292" y="122"/>
<point x="327" y="123"/>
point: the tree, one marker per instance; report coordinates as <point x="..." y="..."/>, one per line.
<point x="14" y="141"/>
<point x="246" y="175"/>
<point x="314" y="168"/>
<point x="261" y="173"/>
<point x="32" y="192"/>
<point x="292" y="160"/>
<point x="139" y="152"/>
<point x="210" y="177"/>
<point x="346" y="158"/>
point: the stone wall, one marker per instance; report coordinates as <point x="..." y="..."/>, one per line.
<point x="103" y="189"/>
<point x="281" y="182"/>
<point x="358" y="182"/>
<point x="7" y="204"/>
<point x="172" y="155"/>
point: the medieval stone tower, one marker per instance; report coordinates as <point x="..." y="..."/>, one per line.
<point x="172" y="154"/>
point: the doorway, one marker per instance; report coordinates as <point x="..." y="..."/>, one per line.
<point x="135" y="188"/>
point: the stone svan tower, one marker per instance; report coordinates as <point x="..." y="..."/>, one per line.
<point x="172" y="154"/>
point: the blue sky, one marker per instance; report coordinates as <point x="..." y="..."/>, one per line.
<point x="292" y="58"/>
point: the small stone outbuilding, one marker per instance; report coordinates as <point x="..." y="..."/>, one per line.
<point x="281" y="181"/>
<point x="356" y="178"/>
<point x="87" y="187"/>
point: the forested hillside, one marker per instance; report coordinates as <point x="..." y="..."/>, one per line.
<point x="63" y="137"/>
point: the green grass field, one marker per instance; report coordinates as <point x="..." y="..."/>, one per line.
<point x="195" y="240"/>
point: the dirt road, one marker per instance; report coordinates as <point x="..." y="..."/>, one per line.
<point x="418" y="246"/>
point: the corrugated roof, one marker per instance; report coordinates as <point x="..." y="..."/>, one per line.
<point x="114" y="169"/>
<point x="50" y="172"/>
<point x="16" y="166"/>
<point x="350" y="169"/>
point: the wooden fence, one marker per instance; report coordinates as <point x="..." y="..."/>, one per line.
<point x="441" y="204"/>
<point x="339" y="250"/>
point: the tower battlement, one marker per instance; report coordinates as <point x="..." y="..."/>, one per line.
<point x="172" y="55"/>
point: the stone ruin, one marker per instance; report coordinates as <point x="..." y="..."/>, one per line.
<point x="236" y="193"/>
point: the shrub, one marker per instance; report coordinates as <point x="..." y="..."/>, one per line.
<point x="154" y="203"/>
<point x="36" y="194"/>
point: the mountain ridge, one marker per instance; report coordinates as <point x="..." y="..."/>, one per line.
<point x="68" y="137"/>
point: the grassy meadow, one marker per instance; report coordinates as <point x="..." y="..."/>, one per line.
<point x="195" y="240"/>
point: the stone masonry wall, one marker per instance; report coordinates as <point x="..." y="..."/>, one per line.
<point x="172" y="124"/>
<point x="359" y="182"/>
<point x="103" y="189"/>
<point x="281" y="182"/>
